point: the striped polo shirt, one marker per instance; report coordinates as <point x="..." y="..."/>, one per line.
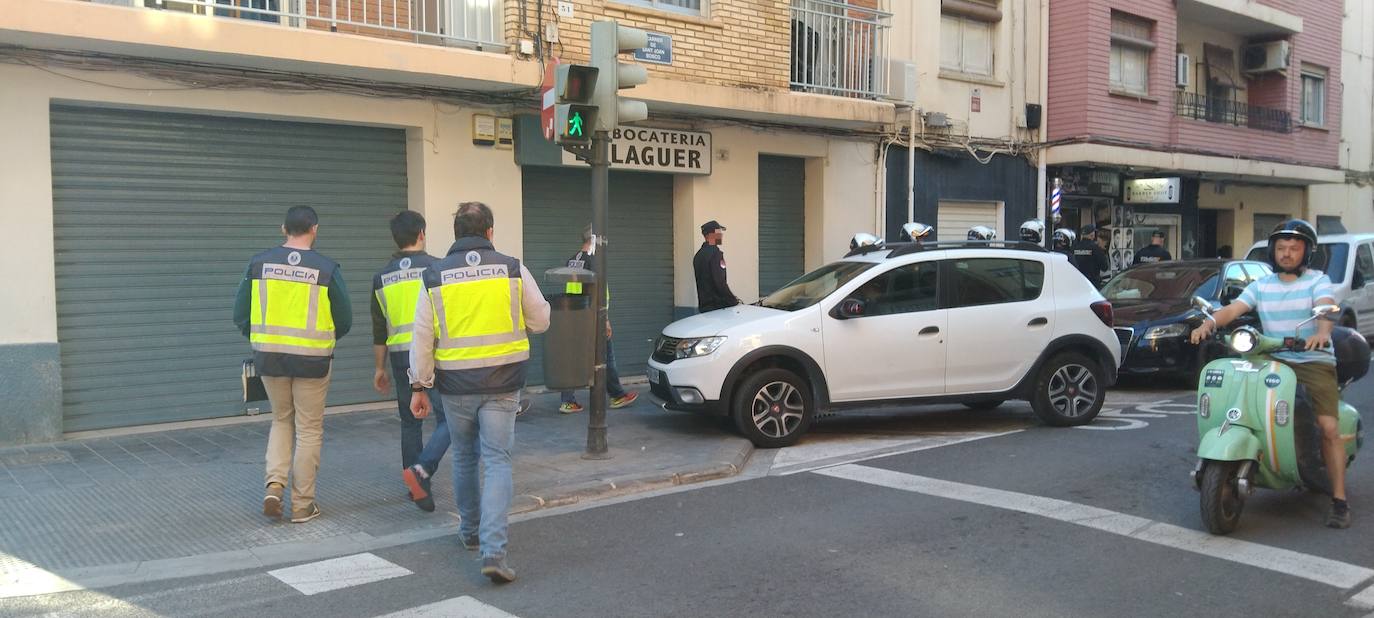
<point x="1282" y="306"/>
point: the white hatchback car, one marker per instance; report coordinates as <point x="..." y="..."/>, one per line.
<point x="975" y="323"/>
<point x="1349" y="260"/>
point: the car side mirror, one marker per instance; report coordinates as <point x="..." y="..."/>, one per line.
<point x="1203" y="305"/>
<point x="1325" y="310"/>
<point x="849" y="309"/>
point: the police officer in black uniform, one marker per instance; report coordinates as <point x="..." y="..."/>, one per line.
<point x="1155" y="252"/>
<point x="709" y="264"/>
<point x="1089" y="257"/>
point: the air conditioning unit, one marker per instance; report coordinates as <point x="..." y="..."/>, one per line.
<point x="1182" y="75"/>
<point x="901" y="85"/>
<point x="1265" y="57"/>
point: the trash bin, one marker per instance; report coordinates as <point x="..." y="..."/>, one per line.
<point x="570" y="342"/>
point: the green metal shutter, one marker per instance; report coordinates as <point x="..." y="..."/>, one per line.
<point x="782" y="221"/>
<point x="155" y="217"/>
<point x="558" y="206"/>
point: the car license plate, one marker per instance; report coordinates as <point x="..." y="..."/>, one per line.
<point x="655" y="376"/>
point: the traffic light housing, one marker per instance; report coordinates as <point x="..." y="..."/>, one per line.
<point x="610" y="39"/>
<point x="575" y="110"/>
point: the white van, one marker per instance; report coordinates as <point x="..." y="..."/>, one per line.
<point x="1349" y="260"/>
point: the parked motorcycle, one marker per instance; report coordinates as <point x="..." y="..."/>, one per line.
<point x="1256" y="427"/>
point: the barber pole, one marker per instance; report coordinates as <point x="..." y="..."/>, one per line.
<point x="1055" y="196"/>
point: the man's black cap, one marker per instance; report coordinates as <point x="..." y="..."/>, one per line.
<point x="1157" y="234"/>
<point x="711" y="226"/>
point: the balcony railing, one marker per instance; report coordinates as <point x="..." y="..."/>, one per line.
<point x="1227" y="111"/>
<point x="465" y="23"/>
<point x="839" y="48"/>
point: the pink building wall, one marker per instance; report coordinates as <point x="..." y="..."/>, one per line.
<point x="1080" y="107"/>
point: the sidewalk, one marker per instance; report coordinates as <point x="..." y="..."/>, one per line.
<point x="104" y="506"/>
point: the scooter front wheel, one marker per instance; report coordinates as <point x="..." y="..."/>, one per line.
<point x="1221" y="498"/>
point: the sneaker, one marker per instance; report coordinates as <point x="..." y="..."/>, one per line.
<point x="418" y="483"/>
<point x="624" y="400"/>
<point x="524" y="407"/>
<point x="471" y="543"/>
<point x="495" y="568"/>
<point x="1340" y="515"/>
<point x="306" y="516"/>
<point x="570" y="407"/>
<point x="271" y="503"/>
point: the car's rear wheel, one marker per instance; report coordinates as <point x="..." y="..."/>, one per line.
<point x="983" y="405"/>
<point x="1069" y="390"/>
<point x="773" y="408"/>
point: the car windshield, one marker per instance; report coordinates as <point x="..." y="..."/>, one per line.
<point x="1330" y="258"/>
<point x="1171" y="282"/>
<point x="810" y="288"/>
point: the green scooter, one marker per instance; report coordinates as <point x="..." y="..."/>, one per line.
<point x="1256" y="427"/>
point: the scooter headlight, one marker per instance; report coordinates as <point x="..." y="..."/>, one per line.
<point x="1242" y="341"/>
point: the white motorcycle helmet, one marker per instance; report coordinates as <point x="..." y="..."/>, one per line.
<point x="982" y="232"/>
<point x="1064" y="238"/>
<point x="916" y="231"/>
<point x="1033" y="231"/>
<point x="864" y="239"/>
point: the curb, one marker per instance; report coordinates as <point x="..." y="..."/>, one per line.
<point x="728" y="461"/>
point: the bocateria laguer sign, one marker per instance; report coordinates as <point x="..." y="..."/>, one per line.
<point x="647" y="149"/>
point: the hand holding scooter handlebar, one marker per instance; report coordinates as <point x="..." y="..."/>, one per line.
<point x="1203" y="330"/>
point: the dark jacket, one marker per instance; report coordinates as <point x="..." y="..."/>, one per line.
<point x="1152" y="254"/>
<point x="712" y="290"/>
<point x="1090" y="260"/>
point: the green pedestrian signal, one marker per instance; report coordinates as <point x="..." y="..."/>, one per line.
<point x="575" y="123"/>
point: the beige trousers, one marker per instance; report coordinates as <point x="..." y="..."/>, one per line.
<point x="297" y="416"/>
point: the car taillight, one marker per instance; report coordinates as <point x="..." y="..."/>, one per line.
<point x="1103" y="309"/>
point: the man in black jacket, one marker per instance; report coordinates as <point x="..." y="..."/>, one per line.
<point x="1089" y="257"/>
<point x="709" y="264"/>
<point x="1155" y="252"/>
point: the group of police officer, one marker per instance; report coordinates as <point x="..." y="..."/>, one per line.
<point x="1087" y="252"/>
<point x="456" y="331"/>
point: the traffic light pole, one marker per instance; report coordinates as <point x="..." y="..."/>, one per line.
<point x="596" y="419"/>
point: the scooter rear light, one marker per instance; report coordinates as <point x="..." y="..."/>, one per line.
<point x="1103" y="309"/>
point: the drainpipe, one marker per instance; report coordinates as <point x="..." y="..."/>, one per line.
<point x="911" y="167"/>
<point x="1044" y="26"/>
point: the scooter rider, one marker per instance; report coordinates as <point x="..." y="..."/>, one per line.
<point x="1284" y="299"/>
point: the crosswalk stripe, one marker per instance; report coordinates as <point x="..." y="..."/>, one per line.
<point x="336" y="573"/>
<point x="459" y="607"/>
<point x="1315" y="568"/>
<point x="1363" y="600"/>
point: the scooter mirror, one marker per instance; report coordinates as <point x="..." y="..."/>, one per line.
<point x="1321" y="310"/>
<point x="1203" y="305"/>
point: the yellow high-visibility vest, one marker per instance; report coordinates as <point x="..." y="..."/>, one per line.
<point x="479" y="323"/>
<point x="398" y="288"/>
<point x="290" y="311"/>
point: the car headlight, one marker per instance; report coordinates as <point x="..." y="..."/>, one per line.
<point x="1243" y="341"/>
<point x="700" y="346"/>
<point x="1164" y="332"/>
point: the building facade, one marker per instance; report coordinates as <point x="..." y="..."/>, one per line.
<point x="152" y="146"/>
<point x="1209" y="120"/>
<point x="1353" y="201"/>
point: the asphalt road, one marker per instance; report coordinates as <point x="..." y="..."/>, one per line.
<point x="935" y="512"/>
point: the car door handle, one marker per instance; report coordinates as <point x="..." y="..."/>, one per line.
<point x="1038" y="322"/>
<point x="930" y="330"/>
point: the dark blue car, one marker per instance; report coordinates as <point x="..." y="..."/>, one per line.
<point x="1151" y="303"/>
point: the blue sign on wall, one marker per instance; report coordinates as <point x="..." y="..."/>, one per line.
<point x="659" y="50"/>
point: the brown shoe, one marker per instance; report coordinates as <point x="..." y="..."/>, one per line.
<point x="271" y="503"/>
<point x="301" y="517"/>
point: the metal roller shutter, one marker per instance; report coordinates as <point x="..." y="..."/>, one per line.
<point x="782" y="221"/>
<point x="955" y="219"/>
<point x="155" y="217"/>
<point x="558" y="206"/>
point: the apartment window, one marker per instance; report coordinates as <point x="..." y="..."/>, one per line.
<point x="1314" y="96"/>
<point x="690" y="7"/>
<point x="1132" y="43"/>
<point x="966" y="45"/>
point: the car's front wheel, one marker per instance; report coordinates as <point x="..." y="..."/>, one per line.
<point x="1069" y="390"/>
<point x="773" y="408"/>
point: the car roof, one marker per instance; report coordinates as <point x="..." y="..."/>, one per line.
<point x="1325" y="239"/>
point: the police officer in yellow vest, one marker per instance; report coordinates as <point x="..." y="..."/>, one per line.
<point x="471" y="345"/>
<point x="292" y="305"/>
<point x="394" y="292"/>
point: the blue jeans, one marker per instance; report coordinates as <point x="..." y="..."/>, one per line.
<point x="483" y="429"/>
<point x="613" y="387"/>
<point x="412" y="429"/>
